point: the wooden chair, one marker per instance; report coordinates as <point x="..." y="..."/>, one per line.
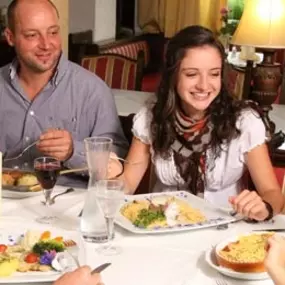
<point x="119" y="72"/>
<point x="80" y="44"/>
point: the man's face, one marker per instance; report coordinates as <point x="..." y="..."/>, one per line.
<point x="36" y="36"/>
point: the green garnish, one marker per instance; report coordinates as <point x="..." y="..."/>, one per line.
<point x="42" y="246"/>
<point x="146" y="217"/>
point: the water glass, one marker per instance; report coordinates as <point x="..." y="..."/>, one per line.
<point x="110" y="196"/>
<point x="47" y="170"/>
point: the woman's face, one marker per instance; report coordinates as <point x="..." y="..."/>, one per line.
<point x="199" y="80"/>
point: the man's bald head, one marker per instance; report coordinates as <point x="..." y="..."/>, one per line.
<point x="13" y="7"/>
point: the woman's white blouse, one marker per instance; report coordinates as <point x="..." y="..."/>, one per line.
<point x="223" y="176"/>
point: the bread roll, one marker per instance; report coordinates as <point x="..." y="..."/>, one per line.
<point x="7" y="179"/>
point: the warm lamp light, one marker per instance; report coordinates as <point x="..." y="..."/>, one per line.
<point x="262" y="25"/>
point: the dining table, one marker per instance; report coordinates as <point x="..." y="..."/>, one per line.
<point x="176" y="258"/>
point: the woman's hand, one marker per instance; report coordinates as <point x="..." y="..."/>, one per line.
<point x="249" y="204"/>
<point x="80" y="276"/>
<point x="115" y="167"/>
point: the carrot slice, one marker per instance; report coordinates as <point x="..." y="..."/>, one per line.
<point x="45" y="235"/>
<point x="60" y="239"/>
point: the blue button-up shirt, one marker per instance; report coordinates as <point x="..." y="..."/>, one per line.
<point x="74" y="99"/>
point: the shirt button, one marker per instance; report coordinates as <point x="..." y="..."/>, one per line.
<point x="32" y="113"/>
<point x="27" y="139"/>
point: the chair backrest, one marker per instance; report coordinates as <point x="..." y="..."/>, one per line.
<point x="130" y="50"/>
<point x="119" y="72"/>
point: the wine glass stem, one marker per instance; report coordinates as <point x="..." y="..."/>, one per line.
<point x="47" y="193"/>
<point x="110" y="230"/>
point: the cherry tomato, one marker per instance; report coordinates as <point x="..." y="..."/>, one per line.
<point x="3" y="248"/>
<point x="32" y="258"/>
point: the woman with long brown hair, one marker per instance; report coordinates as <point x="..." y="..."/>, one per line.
<point x="198" y="137"/>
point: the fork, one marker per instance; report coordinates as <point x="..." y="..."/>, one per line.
<point x="124" y="160"/>
<point x="23" y="151"/>
<point x="221" y="282"/>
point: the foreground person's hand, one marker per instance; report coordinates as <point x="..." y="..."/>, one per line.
<point x="81" y="276"/>
<point x="249" y="204"/>
<point x="56" y="143"/>
<point x="275" y="259"/>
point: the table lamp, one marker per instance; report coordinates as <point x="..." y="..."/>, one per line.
<point x="262" y="26"/>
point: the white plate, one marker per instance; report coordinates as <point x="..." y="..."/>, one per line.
<point x="212" y="261"/>
<point x="214" y="215"/>
<point x="12" y="194"/>
<point x="12" y="236"/>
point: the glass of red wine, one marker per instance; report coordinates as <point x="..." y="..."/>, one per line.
<point x="47" y="170"/>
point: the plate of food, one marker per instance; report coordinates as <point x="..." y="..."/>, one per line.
<point x="241" y="257"/>
<point x="169" y="212"/>
<point x="19" y="184"/>
<point x="34" y="256"/>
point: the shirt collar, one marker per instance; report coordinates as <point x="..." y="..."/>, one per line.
<point x="58" y="74"/>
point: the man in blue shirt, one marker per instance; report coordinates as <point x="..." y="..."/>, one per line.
<point x="45" y="97"/>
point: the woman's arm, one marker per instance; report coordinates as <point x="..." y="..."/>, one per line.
<point x="138" y="160"/>
<point x="250" y="203"/>
<point x="264" y="178"/>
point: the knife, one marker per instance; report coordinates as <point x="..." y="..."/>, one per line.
<point x="270" y="230"/>
<point x="100" y="268"/>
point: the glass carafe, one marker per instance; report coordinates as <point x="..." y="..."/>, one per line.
<point x="92" y="224"/>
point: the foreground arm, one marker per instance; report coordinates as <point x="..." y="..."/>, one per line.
<point x="81" y="276"/>
<point x="275" y="260"/>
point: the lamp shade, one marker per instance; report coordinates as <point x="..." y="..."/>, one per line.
<point x="262" y="24"/>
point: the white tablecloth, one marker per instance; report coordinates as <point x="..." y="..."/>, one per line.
<point x="164" y="259"/>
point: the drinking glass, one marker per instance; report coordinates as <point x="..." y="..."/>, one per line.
<point x="47" y="170"/>
<point x="110" y="195"/>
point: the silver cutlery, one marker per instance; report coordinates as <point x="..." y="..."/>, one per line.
<point x="124" y="160"/>
<point x="22" y="153"/>
<point x="100" y="268"/>
<point x="270" y="230"/>
<point x="52" y="200"/>
<point x="221" y="282"/>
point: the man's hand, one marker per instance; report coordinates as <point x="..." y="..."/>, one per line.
<point x="81" y="276"/>
<point x="249" y="204"/>
<point x="56" y="143"/>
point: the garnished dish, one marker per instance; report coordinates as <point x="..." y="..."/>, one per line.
<point x="244" y="254"/>
<point x="20" y="180"/>
<point x="33" y="251"/>
<point x="160" y="212"/>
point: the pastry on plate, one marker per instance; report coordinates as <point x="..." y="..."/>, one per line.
<point x="244" y="254"/>
<point x="27" y="180"/>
